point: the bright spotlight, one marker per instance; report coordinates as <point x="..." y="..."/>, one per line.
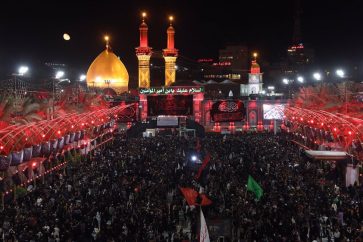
<point x="194" y="158"/>
<point x="59" y="74"/>
<point x="285" y="81"/>
<point x="300" y="79"/>
<point x="317" y="76"/>
<point x="82" y="77"/>
<point x="340" y="73"/>
<point x="23" y="69"/>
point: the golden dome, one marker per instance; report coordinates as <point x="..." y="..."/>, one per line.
<point x="255" y="65"/>
<point x="170" y="29"/>
<point x="107" y="71"/>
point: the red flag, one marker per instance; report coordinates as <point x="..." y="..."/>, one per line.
<point x="204" y="164"/>
<point x="205" y="200"/>
<point x="191" y="195"/>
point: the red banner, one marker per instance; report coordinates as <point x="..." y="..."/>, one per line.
<point x="205" y="163"/>
<point x="191" y="195"/>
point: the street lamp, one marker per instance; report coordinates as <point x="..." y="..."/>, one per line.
<point x="340" y="73"/>
<point x="58" y="75"/>
<point x="288" y="82"/>
<point x="82" y="77"/>
<point x="317" y="76"/>
<point x="22" y="70"/>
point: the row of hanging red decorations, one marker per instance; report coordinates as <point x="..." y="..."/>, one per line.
<point x="339" y="125"/>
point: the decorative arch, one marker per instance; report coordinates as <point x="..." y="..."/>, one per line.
<point x="18" y="137"/>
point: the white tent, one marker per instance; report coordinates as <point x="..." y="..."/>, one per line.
<point x="326" y="155"/>
<point x="227" y="81"/>
<point x="198" y="83"/>
<point x="211" y="82"/>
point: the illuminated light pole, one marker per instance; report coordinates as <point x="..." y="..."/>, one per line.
<point x="341" y="74"/>
<point x="21" y="72"/>
<point x="82" y="78"/>
<point x="143" y="53"/>
<point x="170" y="55"/>
<point x="58" y="76"/>
<point x="288" y="82"/>
<point x="317" y="76"/>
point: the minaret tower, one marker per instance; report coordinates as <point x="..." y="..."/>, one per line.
<point x="143" y="53"/>
<point x="255" y="77"/>
<point x="170" y="55"/>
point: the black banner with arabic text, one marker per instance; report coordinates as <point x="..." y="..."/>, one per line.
<point x="228" y="111"/>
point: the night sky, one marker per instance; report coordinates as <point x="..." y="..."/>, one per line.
<point x="31" y="31"/>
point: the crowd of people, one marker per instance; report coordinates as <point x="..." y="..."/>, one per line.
<point x="130" y="191"/>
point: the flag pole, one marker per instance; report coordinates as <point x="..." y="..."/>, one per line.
<point x="200" y="222"/>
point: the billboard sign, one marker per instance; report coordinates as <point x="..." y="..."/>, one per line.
<point x="273" y="111"/>
<point x="228" y="111"/>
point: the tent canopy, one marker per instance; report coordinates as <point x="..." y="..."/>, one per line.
<point x="326" y="155"/>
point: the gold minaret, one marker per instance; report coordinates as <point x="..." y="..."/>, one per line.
<point x="170" y="55"/>
<point x="143" y="53"/>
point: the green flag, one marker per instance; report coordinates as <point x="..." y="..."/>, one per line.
<point x="253" y="186"/>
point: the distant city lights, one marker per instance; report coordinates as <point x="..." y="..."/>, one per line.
<point x="300" y="79"/>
